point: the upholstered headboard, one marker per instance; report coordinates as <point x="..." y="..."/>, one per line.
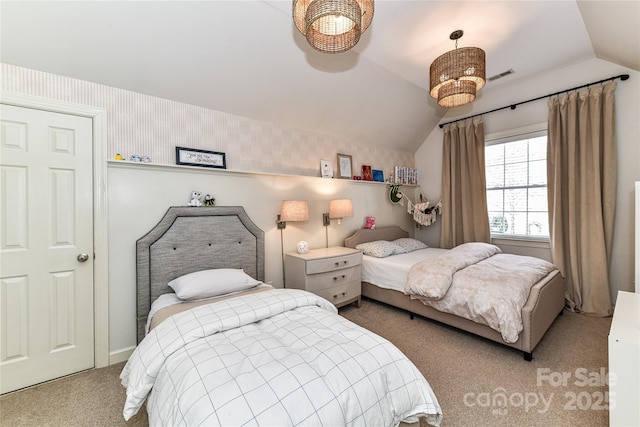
<point x="189" y="239"/>
<point x="366" y="235"/>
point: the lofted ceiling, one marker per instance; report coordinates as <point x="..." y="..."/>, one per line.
<point x="247" y="58"/>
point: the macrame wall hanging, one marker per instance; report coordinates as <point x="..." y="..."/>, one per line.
<point x="423" y="212"/>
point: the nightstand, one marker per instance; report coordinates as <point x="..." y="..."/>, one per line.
<point x="332" y="273"/>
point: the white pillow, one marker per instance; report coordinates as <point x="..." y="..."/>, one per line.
<point x="409" y="244"/>
<point x="380" y="248"/>
<point x="211" y="283"/>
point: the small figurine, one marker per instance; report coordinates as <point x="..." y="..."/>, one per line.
<point x="118" y="156"/>
<point x="195" y="199"/>
<point x="209" y="201"/>
<point x="370" y="223"/>
<point x="302" y="247"/>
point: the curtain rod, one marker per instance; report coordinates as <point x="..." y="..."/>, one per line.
<point x="622" y="77"/>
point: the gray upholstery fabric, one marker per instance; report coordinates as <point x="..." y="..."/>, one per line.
<point x="189" y="239"/>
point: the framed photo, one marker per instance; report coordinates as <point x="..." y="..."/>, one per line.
<point x="378" y="175"/>
<point x="203" y="158"/>
<point x="326" y="168"/>
<point x="366" y="173"/>
<point x="344" y="166"/>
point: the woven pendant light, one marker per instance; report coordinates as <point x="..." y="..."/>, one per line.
<point x="457" y="75"/>
<point x="332" y="26"/>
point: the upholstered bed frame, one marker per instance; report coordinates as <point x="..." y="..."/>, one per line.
<point x="189" y="239"/>
<point x="545" y="302"/>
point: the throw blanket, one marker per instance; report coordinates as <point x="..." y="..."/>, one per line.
<point x="280" y="357"/>
<point x="486" y="286"/>
<point x="432" y="278"/>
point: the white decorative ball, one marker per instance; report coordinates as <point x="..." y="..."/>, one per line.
<point x="303" y="247"/>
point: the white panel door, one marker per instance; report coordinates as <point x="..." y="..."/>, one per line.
<point x="46" y="246"/>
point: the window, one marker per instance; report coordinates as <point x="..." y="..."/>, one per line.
<point x="516" y="171"/>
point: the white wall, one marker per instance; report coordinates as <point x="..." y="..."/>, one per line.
<point x="429" y="155"/>
<point x="140" y="194"/>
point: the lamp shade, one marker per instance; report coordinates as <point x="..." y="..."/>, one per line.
<point x="340" y="208"/>
<point x="332" y="26"/>
<point x="294" y="210"/>
<point x="456" y="76"/>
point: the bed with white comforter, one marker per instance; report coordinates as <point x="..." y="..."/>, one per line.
<point x="279" y="357"/>
<point x="478" y="282"/>
<point x="510" y="299"/>
<point x="253" y="355"/>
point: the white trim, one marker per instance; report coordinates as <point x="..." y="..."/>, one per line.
<point x="637" y="262"/>
<point x="521" y="242"/>
<point x="509" y="135"/>
<point x="100" y="212"/>
<point x="121" y="355"/>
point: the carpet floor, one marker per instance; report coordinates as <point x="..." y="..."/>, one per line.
<point x="477" y="382"/>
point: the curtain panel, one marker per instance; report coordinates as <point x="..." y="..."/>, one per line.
<point x="581" y="179"/>
<point x="464" y="193"/>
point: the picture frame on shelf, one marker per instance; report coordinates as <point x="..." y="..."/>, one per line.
<point x="326" y="168"/>
<point x="202" y="158"/>
<point x="366" y="173"/>
<point x="378" y="175"/>
<point x="344" y="166"/>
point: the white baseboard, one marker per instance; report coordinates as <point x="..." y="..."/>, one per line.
<point x="121" y="355"/>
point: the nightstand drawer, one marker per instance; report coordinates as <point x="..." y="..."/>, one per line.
<point x="339" y="294"/>
<point x="331" y="279"/>
<point x="333" y="273"/>
<point x="334" y="263"/>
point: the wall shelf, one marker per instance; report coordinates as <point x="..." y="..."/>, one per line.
<point x="199" y="170"/>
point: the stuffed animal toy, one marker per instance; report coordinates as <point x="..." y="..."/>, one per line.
<point x="209" y="201"/>
<point x="370" y="223"/>
<point x="195" y="199"/>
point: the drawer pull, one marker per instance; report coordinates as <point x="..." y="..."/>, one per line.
<point x="343" y="294"/>
<point x="339" y="277"/>
<point x="337" y="264"/>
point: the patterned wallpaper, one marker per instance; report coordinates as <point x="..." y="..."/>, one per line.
<point x="150" y="126"/>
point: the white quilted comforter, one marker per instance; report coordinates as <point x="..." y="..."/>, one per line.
<point x="280" y="357"/>
<point x="478" y="282"/>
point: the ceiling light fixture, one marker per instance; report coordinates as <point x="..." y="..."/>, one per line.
<point x="457" y="75"/>
<point x="332" y="26"/>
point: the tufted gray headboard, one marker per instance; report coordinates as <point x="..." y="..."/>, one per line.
<point x="189" y="239"/>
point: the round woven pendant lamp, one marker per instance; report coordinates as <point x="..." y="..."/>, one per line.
<point x="458" y="92"/>
<point x="457" y="75"/>
<point x="332" y="26"/>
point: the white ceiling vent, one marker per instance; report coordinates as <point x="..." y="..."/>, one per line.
<point x="501" y="75"/>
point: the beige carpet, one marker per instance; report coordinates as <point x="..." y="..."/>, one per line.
<point x="468" y="374"/>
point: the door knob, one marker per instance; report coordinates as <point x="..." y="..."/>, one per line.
<point x="83" y="257"/>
